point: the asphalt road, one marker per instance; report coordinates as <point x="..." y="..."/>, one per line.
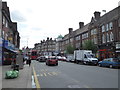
<point x="70" y="75"/>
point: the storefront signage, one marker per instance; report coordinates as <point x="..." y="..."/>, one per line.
<point x="8" y="45"/>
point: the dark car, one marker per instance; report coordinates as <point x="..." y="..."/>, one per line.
<point x="51" y="60"/>
<point x="110" y="62"/>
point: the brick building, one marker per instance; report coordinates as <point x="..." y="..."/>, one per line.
<point x="104" y="31"/>
<point x="46" y="47"/>
<point x="10" y="36"/>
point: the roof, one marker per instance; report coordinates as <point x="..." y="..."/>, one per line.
<point x="82" y="30"/>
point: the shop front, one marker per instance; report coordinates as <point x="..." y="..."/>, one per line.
<point x="106" y="51"/>
<point x="9" y="53"/>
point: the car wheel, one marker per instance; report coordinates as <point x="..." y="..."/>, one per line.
<point x="99" y="65"/>
<point x="111" y="66"/>
<point x="56" y="64"/>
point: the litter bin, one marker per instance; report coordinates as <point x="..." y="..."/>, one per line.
<point x="16" y="67"/>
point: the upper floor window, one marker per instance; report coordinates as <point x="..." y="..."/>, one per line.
<point x="108" y="39"/>
<point x="107" y="28"/>
<point x="103" y="28"/>
<point x="3" y="21"/>
<point x="103" y="38"/>
<point x="111" y="36"/>
<point x="110" y="25"/>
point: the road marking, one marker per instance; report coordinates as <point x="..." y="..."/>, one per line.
<point x="54" y="73"/>
<point x="50" y="74"/>
<point x="45" y="74"/>
<point x="36" y="79"/>
<point x="86" y="86"/>
<point x="41" y="74"/>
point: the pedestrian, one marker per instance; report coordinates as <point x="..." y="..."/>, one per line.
<point x="29" y="62"/>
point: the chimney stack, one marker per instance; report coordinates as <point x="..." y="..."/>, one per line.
<point x="70" y="30"/>
<point x="81" y="25"/>
<point x="97" y="15"/>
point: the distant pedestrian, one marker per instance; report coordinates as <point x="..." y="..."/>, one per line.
<point x="29" y="62"/>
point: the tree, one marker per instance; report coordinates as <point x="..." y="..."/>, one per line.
<point x="89" y="45"/>
<point x="70" y="49"/>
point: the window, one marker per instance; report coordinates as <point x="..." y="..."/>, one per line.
<point x="6" y="24"/>
<point x="103" y="38"/>
<point x="108" y="39"/>
<point x="103" y="28"/>
<point x="110" y="26"/>
<point x="3" y="20"/>
<point x="95" y="40"/>
<point x="95" y="31"/>
<point x="111" y="36"/>
<point x="107" y="28"/>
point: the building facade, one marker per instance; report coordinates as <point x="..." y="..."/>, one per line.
<point x="10" y="36"/>
<point x="104" y="31"/>
<point x="46" y="47"/>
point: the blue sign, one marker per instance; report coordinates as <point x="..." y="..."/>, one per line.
<point x="8" y="45"/>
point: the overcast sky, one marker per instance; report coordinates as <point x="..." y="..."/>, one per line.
<point x="39" y="19"/>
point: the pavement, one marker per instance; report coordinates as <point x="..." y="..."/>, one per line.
<point x="24" y="80"/>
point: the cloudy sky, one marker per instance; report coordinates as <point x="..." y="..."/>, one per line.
<point x="39" y="19"/>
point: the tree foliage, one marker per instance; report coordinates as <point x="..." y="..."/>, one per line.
<point x="70" y="49"/>
<point x="89" y="45"/>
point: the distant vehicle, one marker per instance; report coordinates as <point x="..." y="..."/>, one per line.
<point x="110" y="62"/>
<point x="25" y="57"/>
<point x="51" y="60"/>
<point x="70" y="58"/>
<point x="61" y="58"/>
<point x="85" y="56"/>
<point x="33" y="54"/>
<point x="42" y="59"/>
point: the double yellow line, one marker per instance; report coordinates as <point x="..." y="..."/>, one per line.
<point x="36" y="79"/>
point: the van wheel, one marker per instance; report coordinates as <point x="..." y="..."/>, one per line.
<point x="85" y="63"/>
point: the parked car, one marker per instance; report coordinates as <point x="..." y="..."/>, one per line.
<point x="41" y="59"/>
<point x="52" y="60"/>
<point x="61" y="58"/>
<point x="110" y="62"/>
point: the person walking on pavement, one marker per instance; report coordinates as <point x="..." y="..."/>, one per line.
<point x="29" y="62"/>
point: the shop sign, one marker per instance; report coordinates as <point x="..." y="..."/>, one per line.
<point x="8" y="45"/>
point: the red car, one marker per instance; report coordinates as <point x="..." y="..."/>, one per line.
<point x="51" y="60"/>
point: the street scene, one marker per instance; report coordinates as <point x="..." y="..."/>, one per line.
<point x="42" y="48"/>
